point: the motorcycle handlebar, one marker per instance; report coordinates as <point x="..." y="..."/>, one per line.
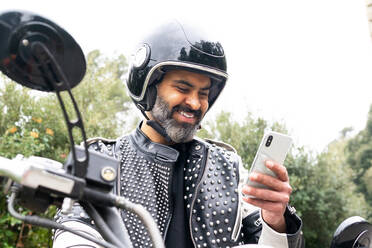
<point x="12" y="169"/>
<point x="35" y="172"/>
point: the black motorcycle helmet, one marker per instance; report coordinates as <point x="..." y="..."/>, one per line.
<point x="174" y="46"/>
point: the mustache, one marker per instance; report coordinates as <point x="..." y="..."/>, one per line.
<point x="197" y="113"/>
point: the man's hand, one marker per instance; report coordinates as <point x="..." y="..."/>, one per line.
<point x="272" y="201"/>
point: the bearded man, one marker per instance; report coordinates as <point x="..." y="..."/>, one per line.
<point x="189" y="185"/>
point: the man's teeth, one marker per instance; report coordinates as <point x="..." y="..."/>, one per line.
<point x="188" y="115"/>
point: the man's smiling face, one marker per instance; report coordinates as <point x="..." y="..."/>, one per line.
<point x="181" y="103"/>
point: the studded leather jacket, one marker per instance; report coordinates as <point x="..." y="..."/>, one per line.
<point x="217" y="215"/>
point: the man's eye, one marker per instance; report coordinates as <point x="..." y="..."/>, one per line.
<point x="203" y="94"/>
<point x="182" y="89"/>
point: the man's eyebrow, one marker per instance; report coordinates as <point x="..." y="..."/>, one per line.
<point x="184" y="82"/>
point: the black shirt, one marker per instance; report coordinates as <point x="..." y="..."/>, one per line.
<point x="178" y="234"/>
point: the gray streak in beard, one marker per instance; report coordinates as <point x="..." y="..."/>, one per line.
<point x="178" y="132"/>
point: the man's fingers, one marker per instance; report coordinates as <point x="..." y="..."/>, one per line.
<point x="271" y="182"/>
<point x="266" y="194"/>
<point x="267" y="205"/>
<point x="278" y="169"/>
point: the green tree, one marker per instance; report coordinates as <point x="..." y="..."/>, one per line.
<point x="31" y="123"/>
<point x="324" y="192"/>
<point x="360" y="158"/>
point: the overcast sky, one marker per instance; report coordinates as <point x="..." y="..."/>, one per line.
<point x="305" y="63"/>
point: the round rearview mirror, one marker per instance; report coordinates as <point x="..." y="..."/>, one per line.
<point x="30" y="48"/>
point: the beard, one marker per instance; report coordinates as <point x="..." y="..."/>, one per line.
<point x="178" y="132"/>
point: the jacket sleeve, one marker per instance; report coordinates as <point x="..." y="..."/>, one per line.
<point x="256" y="231"/>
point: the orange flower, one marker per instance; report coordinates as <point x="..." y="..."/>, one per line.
<point x="38" y="120"/>
<point x="12" y="129"/>
<point x="63" y="155"/>
<point x="49" y="131"/>
<point x="34" y="134"/>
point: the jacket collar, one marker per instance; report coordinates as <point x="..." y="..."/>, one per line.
<point x="161" y="152"/>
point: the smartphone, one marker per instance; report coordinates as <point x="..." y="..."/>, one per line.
<point x="274" y="146"/>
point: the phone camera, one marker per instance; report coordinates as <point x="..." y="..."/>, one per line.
<point x="269" y="140"/>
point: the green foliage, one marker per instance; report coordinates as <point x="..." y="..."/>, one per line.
<point x="31" y="123"/>
<point x="324" y="192"/>
<point x="27" y="129"/>
<point x="102" y="97"/>
<point x="367" y="179"/>
<point x="360" y="158"/>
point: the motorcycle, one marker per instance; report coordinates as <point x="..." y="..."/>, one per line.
<point x="37" y="53"/>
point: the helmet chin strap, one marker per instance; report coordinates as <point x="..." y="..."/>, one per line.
<point x="157" y="127"/>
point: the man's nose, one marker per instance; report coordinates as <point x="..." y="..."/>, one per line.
<point x="193" y="101"/>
